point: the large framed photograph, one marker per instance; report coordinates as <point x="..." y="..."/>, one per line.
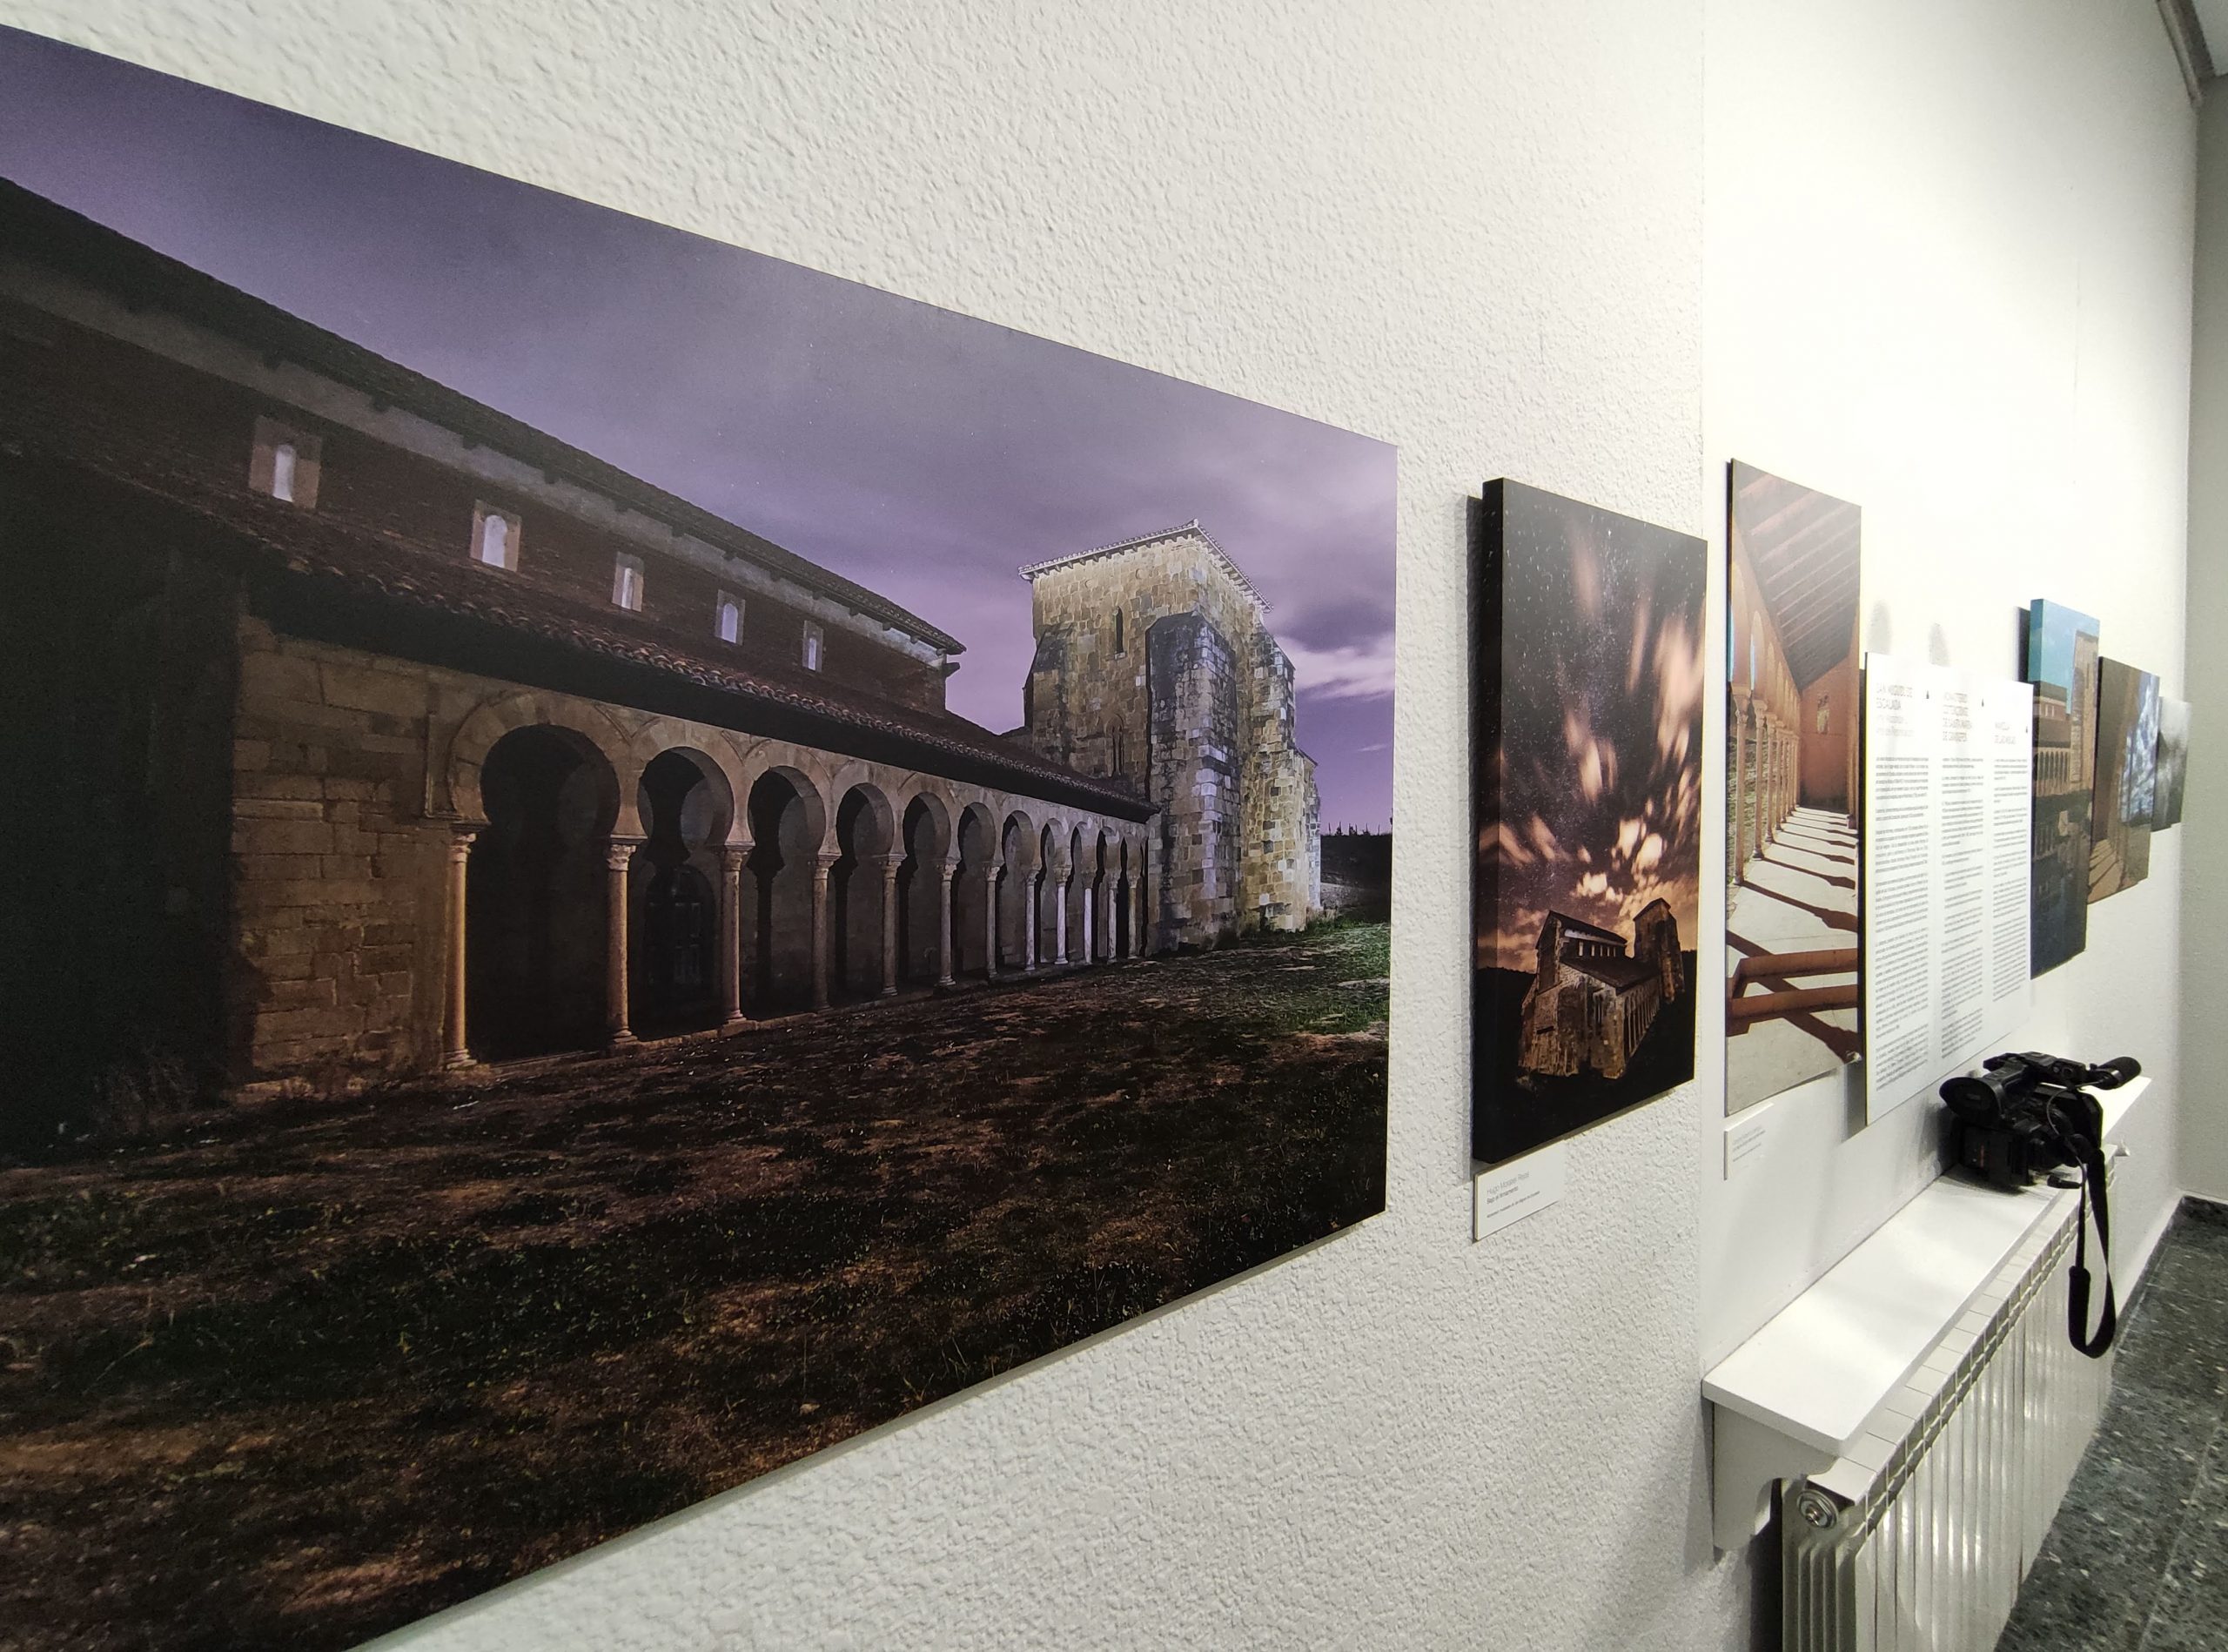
<point x="1793" y="942"/>
<point x="656" y="859"/>
<point x="1587" y="712"/>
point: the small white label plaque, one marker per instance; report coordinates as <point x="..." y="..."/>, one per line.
<point x="1511" y="1191"/>
<point x="1745" y="1136"/>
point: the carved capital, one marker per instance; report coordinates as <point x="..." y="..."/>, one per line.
<point x="461" y="839"/>
<point x="733" y="854"/>
<point x="619" y="854"/>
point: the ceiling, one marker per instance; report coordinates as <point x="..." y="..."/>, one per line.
<point x="1803" y="548"/>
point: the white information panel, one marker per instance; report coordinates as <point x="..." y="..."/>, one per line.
<point x="1746" y="1132"/>
<point x="1948" y="781"/>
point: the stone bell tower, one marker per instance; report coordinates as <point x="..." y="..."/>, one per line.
<point x="1155" y="666"/>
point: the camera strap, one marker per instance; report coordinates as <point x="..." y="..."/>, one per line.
<point x="2091" y="1152"/>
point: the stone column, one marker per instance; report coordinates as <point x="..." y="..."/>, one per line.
<point x="944" y="924"/>
<point x="1763" y="832"/>
<point x="1032" y="888"/>
<point x="1105" y="940"/>
<point x="1137" y="903"/>
<point x="1768" y="827"/>
<point x="733" y="856"/>
<point x="890" y="870"/>
<point x="1060" y="920"/>
<point x="990" y="924"/>
<point x="617" y="858"/>
<point x="1740" y="805"/>
<point x="459" y="1053"/>
<point x="1763" y="829"/>
<point x="821" y="865"/>
<point x="1779" y="799"/>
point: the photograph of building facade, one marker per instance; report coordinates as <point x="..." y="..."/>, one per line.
<point x="2127" y="774"/>
<point x="2061" y="647"/>
<point x="1791" y="942"/>
<point x="1588" y="707"/>
<point x="564" y="998"/>
<point x="434" y="862"/>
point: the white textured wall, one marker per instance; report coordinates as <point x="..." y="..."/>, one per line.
<point x="1476" y="232"/>
<point x="2205" y="831"/>
<point x="1947" y="275"/>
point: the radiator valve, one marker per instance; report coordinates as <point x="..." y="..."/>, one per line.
<point x="1818" y="1508"/>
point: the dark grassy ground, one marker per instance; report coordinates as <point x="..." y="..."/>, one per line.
<point x="291" y="1376"/>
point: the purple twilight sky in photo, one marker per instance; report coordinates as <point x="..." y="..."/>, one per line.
<point x="923" y="453"/>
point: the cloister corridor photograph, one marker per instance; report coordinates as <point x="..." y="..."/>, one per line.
<point x="694" y="856"/>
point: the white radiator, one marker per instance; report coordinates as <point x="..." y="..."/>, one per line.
<point x="1917" y="1541"/>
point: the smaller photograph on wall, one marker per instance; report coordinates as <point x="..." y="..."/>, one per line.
<point x="2173" y="763"/>
<point x="1792" y="942"/>
<point x="2127" y="774"/>
<point x="2061" y="654"/>
<point x="1587" y="711"/>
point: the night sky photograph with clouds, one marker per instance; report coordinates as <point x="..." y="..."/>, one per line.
<point x="1589" y="757"/>
<point x="1600" y="762"/>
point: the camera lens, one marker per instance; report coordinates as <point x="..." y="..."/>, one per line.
<point x="1977" y="1098"/>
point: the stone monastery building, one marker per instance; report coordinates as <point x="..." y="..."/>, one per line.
<point x="369" y="730"/>
<point x="1155" y="666"/>
<point x="1591" y="1004"/>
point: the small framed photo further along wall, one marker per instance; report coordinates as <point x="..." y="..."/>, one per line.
<point x="2126" y="778"/>
<point x="2173" y="764"/>
<point x="2062" y="656"/>
<point x="1587" y="708"/>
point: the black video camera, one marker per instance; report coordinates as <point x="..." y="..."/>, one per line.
<point x="2023" y="1116"/>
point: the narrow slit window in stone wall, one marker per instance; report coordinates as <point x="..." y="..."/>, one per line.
<point x="627" y="583"/>
<point x="284" y="463"/>
<point x="495" y="537"/>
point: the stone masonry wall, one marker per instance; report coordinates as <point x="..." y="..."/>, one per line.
<point x="1195" y="728"/>
<point x="1280" y="866"/>
<point x="336" y="874"/>
<point x="1101" y="710"/>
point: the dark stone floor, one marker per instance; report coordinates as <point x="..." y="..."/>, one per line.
<point x="2138" y="1558"/>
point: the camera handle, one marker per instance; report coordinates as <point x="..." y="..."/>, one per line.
<point x="2091" y="1157"/>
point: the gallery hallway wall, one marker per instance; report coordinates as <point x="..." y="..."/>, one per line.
<point x="2203" y="832"/>
<point x="1949" y="288"/>
<point x="1946" y="276"/>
